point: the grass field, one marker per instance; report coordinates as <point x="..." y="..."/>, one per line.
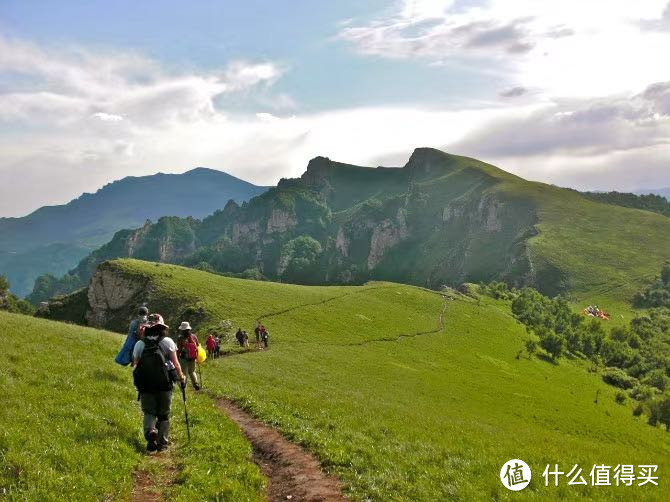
<point x="71" y="425"/>
<point x="426" y="417"/>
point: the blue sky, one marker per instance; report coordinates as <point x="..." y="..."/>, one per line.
<point x="571" y="93"/>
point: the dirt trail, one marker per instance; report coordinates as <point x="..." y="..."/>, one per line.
<point x="293" y="473"/>
<point x="150" y="481"/>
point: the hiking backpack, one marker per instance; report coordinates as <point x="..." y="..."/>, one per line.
<point x="190" y="349"/>
<point x="151" y="373"/>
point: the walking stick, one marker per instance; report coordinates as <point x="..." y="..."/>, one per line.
<point x="183" y="395"/>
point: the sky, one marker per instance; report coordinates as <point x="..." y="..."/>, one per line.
<point x="575" y="93"/>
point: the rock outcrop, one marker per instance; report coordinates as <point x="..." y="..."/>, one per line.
<point x="113" y="296"/>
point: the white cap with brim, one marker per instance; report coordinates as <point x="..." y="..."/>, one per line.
<point x="184" y="326"/>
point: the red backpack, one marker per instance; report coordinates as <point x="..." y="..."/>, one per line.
<point x="191" y="348"/>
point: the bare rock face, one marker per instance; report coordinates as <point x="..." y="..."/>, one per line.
<point x="386" y="235"/>
<point x="112" y="294"/>
<point x="246" y="232"/>
<point x="489" y="209"/>
<point x="280" y="221"/>
<point x="342" y="243"/>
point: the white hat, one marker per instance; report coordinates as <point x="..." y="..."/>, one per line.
<point x="184" y="326"/>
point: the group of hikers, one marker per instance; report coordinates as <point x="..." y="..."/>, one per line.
<point x="262" y="337"/>
<point x="159" y="362"/>
<point x="594" y="311"/>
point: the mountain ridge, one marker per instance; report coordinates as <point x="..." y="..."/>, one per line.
<point x="440" y="219"/>
<point x="78" y="227"/>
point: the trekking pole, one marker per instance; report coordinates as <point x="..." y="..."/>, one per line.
<point x="183" y="395"/>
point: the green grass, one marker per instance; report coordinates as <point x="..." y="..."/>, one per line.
<point x="607" y="253"/>
<point x="426" y="417"/>
<point x="71" y="425"/>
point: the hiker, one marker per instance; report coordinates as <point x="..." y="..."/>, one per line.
<point x="265" y="337"/>
<point x="257" y="332"/>
<point x="246" y="339"/>
<point x="211" y="345"/>
<point x="240" y="337"/>
<point x="217" y="347"/>
<point x="156" y="368"/>
<point x="188" y="352"/>
<point x="124" y="357"/>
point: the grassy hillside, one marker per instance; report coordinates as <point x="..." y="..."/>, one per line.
<point x="71" y="425"/>
<point x="604" y="253"/>
<point x="403" y="409"/>
<point x="440" y="219"/>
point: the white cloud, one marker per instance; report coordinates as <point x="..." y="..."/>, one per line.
<point x="107" y="117"/>
<point x="84" y="118"/>
<point x="567" y="48"/>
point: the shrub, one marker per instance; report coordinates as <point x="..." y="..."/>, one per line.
<point x="659" y="412"/>
<point x="642" y="392"/>
<point x="656" y="378"/>
<point x="553" y="344"/>
<point x="619" y="378"/>
<point x="531" y="347"/>
<point x="620" y="397"/>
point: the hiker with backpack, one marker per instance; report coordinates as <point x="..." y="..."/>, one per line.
<point x="156" y="368"/>
<point x="240" y="337"/>
<point x="124" y="357"/>
<point x="188" y="352"/>
<point x="211" y="345"/>
<point x="265" y="337"/>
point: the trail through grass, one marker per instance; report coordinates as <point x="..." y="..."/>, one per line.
<point x="430" y="417"/>
<point x="71" y="425"/>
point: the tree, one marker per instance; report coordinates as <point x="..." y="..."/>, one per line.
<point x="4" y="285"/>
<point x="659" y="411"/>
<point x="300" y="256"/>
<point x="665" y="274"/>
<point x="553" y="344"/>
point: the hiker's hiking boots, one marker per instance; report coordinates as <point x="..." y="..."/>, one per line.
<point x="152" y="441"/>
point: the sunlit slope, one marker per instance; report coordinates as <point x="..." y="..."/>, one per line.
<point x="71" y="424"/>
<point x="594" y="252"/>
<point x="605" y="253"/>
<point x="403" y="410"/>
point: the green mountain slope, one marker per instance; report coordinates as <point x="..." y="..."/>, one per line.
<point x="54" y="238"/>
<point x="441" y="219"/>
<point x="401" y="393"/>
<point x="71" y="425"/>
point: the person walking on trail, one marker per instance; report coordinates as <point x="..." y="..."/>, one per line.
<point x="156" y="368"/>
<point x="211" y="345"/>
<point x="240" y="337"/>
<point x="257" y="332"/>
<point x="265" y="337"/>
<point x="246" y="339"/>
<point x="188" y="352"/>
<point x="124" y="357"/>
<point x="217" y="347"/>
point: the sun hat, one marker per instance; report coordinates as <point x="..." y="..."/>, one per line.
<point x="184" y="326"/>
<point x="157" y="320"/>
